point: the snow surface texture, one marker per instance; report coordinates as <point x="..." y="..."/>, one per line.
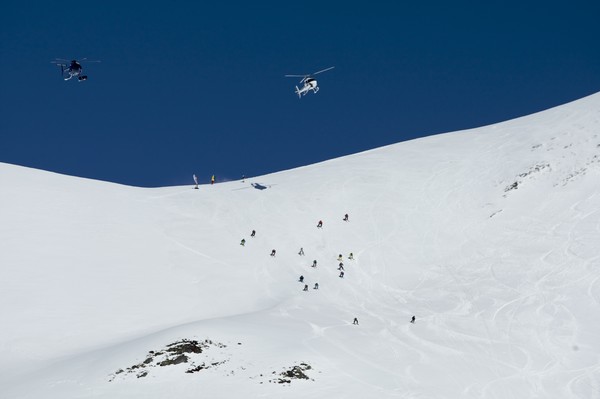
<point x="490" y="237"/>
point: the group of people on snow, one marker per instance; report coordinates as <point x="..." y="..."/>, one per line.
<point x="314" y="264"/>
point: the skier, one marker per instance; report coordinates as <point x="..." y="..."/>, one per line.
<point x="345" y="217"/>
<point x="316" y="287"/>
<point x="413" y="320"/>
<point x="305" y="287"/>
<point x="196" y="181"/>
<point x="320" y="224"/>
<point x="301" y="253"/>
<point x="355" y="322"/>
<point x="253" y="233"/>
<point x="341" y="266"/>
<point x="342" y="274"/>
<point x="340" y="257"/>
<point x="301" y="279"/>
<point x="351" y="257"/>
<point x="273" y="253"/>
<point x="314" y="263"/>
<point x="243" y="242"/>
<point x="212" y="180"/>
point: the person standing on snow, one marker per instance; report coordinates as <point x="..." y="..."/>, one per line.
<point x="273" y="253"/>
<point x="301" y="279"/>
<point x="413" y="320"/>
<point x="314" y="263"/>
<point x="351" y="256"/>
<point x="355" y="322"/>
<point x="320" y="224"/>
<point x="253" y="233"/>
<point x="212" y="180"/>
<point x="301" y="253"/>
<point x="305" y="287"/>
<point x="196" y="181"/>
<point x="346" y="218"/>
<point x="243" y="242"/>
<point x="342" y="274"/>
<point x="316" y="287"/>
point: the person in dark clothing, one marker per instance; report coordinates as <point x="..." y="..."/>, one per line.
<point x="243" y="242"/>
<point x="314" y="263"/>
<point x="413" y="320"/>
<point x="316" y="287"/>
<point x="355" y="322"/>
<point x="305" y="287"/>
<point x="320" y="224"/>
<point x="273" y="253"/>
<point x="253" y="233"/>
<point x="301" y="279"/>
<point x="341" y="274"/>
<point x="341" y="266"/>
<point x="345" y="217"/>
<point x="301" y="253"/>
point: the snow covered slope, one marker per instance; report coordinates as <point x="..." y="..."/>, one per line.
<point x="490" y="237"/>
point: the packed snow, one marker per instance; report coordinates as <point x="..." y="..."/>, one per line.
<point x="489" y="237"/>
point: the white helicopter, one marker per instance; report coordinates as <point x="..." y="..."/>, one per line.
<point x="309" y="82"/>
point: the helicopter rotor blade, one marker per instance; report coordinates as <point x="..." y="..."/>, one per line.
<point x="323" y="70"/>
<point x="87" y="61"/>
<point x="304" y="77"/>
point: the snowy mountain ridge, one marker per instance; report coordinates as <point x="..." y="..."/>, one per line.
<point x="488" y="236"/>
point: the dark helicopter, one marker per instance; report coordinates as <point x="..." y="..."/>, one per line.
<point x="71" y="69"/>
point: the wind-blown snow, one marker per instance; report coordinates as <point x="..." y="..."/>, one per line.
<point x="490" y="237"/>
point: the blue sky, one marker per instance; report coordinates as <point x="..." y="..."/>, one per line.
<point x="194" y="87"/>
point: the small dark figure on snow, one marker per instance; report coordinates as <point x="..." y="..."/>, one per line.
<point x="316" y="287"/>
<point x="253" y="233"/>
<point x="345" y="217"/>
<point x="340" y="257"/>
<point x="301" y="253"/>
<point x="273" y="253"/>
<point x="305" y="287"/>
<point x="351" y="256"/>
<point x="320" y="224"/>
<point x="341" y="266"/>
<point x="314" y="263"/>
<point x="243" y="242"/>
<point x="301" y="279"/>
<point x="355" y="322"/>
<point x="342" y="274"/>
<point x="413" y="319"/>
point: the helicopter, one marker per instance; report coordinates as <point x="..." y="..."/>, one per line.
<point x="309" y="82"/>
<point x="73" y="68"/>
